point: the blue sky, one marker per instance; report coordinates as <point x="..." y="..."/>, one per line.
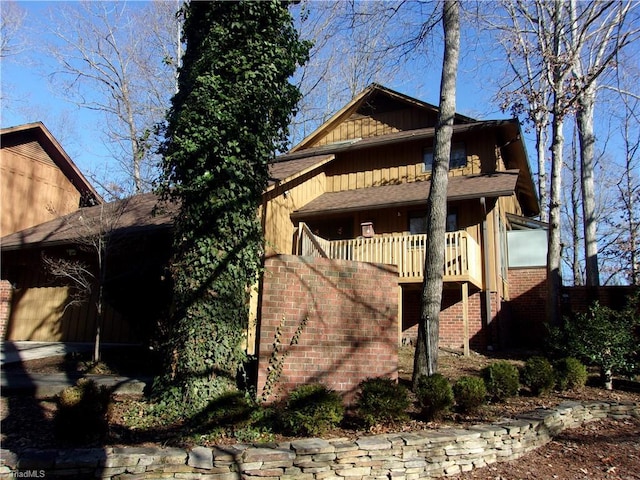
<point x="28" y="96"/>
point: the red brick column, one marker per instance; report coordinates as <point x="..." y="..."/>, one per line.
<point x="351" y="331"/>
<point x="6" y="293"/>
<point x="528" y="299"/>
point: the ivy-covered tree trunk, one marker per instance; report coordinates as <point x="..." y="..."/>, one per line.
<point x="228" y="119"/>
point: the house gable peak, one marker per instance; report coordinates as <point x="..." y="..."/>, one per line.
<point x="375" y="111"/>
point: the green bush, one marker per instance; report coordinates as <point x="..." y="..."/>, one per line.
<point x="312" y="410"/>
<point x="502" y="380"/>
<point x="435" y="395"/>
<point x="381" y="400"/>
<point x="602" y="337"/>
<point x="538" y="375"/>
<point x="82" y="413"/>
<point x="469" y="393"/>
<point x="571" y="374"/>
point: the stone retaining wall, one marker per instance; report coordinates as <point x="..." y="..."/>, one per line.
<point x="408" y="455"/>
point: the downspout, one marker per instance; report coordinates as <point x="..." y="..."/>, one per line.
<point x="487" y="271"/>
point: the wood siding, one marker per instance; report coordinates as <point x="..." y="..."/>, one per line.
<point x="376" y="124"/>
<point x="43" y="314"/>
<point x="394" y="164"/>
<point x="34" y="190"/>
<point x="280" y="202"/>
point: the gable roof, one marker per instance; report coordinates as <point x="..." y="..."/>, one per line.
<point x="287" y="170"/>
<point x="373" y="93"/>
<point x="497" y="184"/>
<point x="508" y="133"/>
<point x="30" y="132"/>
<point x="134" y="214"/>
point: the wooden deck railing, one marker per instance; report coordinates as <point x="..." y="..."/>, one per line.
<point x="406" y="251"/>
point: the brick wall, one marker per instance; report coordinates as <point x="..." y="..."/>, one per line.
<point x="351" y="331"/>
<point x="527" y="307"/>
<point x="451" y="319"/>
<point x="578" y="299"/>
<point x="6" y="292"/>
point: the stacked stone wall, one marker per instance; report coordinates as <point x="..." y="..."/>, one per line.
<point x="406" y="455"/>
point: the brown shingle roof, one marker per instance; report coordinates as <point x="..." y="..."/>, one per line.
<point x="414" y="193"/>
<point x="124" y="216"/>
<point x="283" y="170"/>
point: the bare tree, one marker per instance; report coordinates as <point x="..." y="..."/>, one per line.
<point x="113" y="58"/>
<point x="95" y="233"/>
<point x="600" y="31"/>
<point x="353" y="46"/>
<point x="11" y="18"/>
<point x="426" y="356"/>
<point x="622" y="245"/>
<point x="526" y="91"/>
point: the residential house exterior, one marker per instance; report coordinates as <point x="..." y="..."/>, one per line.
<point x="38" y="182"/>
<point x="356" y="189"/>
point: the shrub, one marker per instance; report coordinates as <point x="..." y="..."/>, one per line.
<point x="81" y="416"/>
<point x="381" y="400"/>
<point x="538" y="375"/>
<point x="502" y="380"/>
<point x="469" y="393"/>
<point x="435" y="395"/>
<point x="602" y="337"/>
<point x="312" y="410"/>
<point x="571" y="374"/>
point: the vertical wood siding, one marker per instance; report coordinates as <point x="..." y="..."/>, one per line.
<point x="363" y="126"/>
<point x="34" y="190"/>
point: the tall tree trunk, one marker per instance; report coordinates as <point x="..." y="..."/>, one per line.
<point x="426" y="356"/>
<point x="586" y="102"/>
<point x="575" y="215"/>
<point x="554" y="249"/>
<point x="541" y="149"/>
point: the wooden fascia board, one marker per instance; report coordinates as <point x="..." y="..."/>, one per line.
<point x="355" y="103"/>
<point x="334" y="120"/>
<point x="411" y="203"/>
<point x="58" y="155"/>
<point x="525" y="180"/>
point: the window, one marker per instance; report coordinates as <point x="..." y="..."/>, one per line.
<point x="458" y="157"/>
<point x="418" y="223"/>
<point x="452" y="221"/>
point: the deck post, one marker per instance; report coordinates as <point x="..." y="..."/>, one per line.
<point x="465" y="318"/>
<point x="399" y="315"/>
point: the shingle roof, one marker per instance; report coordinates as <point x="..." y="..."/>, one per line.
<point x="414" y="193"/>
<point x="282" y="170"/>
<point x="124" y="216"/>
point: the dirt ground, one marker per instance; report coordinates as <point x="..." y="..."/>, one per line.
<point x="608" y="449"/>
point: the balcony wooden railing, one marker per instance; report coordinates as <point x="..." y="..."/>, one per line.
<point x="406" y="251"/>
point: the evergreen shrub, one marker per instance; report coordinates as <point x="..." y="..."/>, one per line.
<point x="538" y="375"/>
<point x="435" y="395"/>
<point x="381" y="400"/>
<point x="469" y="393"/>
<point x="312" y="410"/>
<point x="82" y="413"/>
<point x="502" y="380"/>
<point x="571" y="374"/>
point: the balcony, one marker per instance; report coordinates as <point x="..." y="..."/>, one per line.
<point x="406" y="251"/>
